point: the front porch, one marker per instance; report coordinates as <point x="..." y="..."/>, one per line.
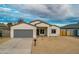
<point x="42" y="31"/>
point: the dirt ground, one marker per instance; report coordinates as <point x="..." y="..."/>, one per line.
<point x="56" y="45"/>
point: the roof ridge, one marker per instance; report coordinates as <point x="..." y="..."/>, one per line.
<point x="24" y="23"/>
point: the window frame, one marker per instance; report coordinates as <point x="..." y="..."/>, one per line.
<point x="53" y="31"/>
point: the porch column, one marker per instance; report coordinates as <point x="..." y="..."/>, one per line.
<point x="11" y="33"/>
<point x="48" y="31"/>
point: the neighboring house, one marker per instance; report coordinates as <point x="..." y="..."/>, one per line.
<point x="4" y="32"/>
<point x="34" y="29"/>
<point x="70" y="30"/>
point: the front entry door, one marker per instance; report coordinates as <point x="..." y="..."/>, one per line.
<point x="42" y="32"/>
<point x="38" y="32"/>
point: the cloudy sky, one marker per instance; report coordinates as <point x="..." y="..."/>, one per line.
<point x="58" y="14"/>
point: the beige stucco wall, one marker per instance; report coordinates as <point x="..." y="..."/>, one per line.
<point x="57" y="31"/>
<point x="22" y="26"/>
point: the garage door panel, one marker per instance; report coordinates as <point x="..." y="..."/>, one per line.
<point x="23" y="33"/>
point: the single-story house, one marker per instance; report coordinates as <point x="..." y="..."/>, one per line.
<point x="70" y="30"/>
<point x="34" y="29"/>
<point x="4" y="32"/>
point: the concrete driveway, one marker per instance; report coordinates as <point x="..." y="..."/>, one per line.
<point x="17" y="46"/>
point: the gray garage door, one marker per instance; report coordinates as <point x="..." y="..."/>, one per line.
<point x="23" y="33"/>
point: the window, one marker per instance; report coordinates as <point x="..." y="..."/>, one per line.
<point x="53" y="31"/>
<point x="41" y="31"/>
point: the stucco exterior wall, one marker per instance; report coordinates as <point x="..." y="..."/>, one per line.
<point x="57" y="31"/>
<point x="22" y="26"/>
